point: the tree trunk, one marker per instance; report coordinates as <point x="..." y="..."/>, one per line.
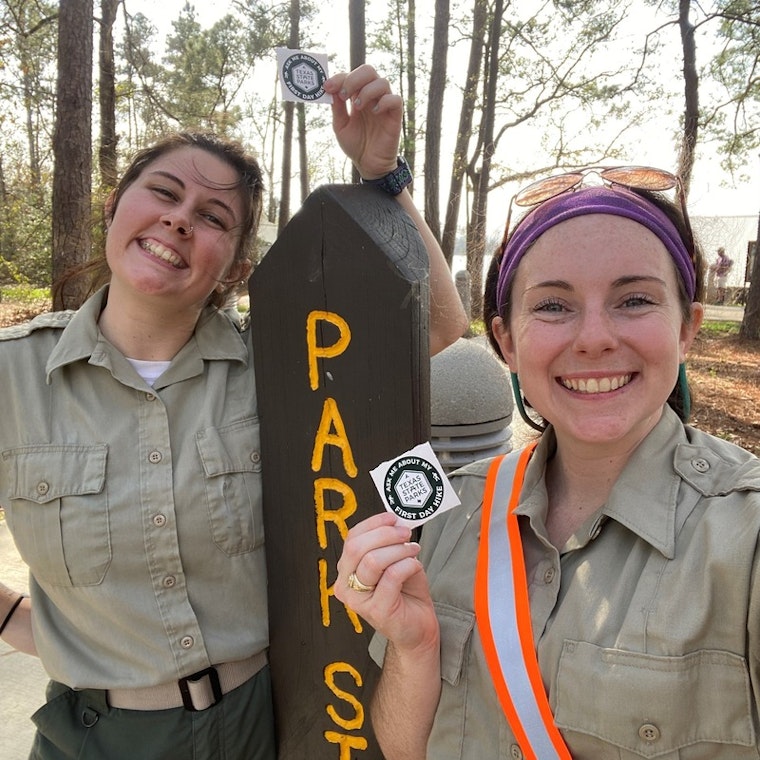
<point x="357" y="33"/>
<point x="287" y="133"/>
<point x="303" y="158"/>
<point x="477" y="231"/>
<point x="691" y="96"/>
<point x="357" y="46"/>
<point x="6" y="248"/>
<point x="469" y="97"/>
<point x="72" y="145"/>
<point x="435" y="116"/>
<point x="287" y="151"/>
<point x="29" y="85"/>
<point x="750" y="327"/>
<point x="107" y="92"/>
<point x="410" y="128"/>
<point x="274" y="121"/>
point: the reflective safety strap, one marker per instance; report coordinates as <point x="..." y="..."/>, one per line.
<point x="502" y="609"/>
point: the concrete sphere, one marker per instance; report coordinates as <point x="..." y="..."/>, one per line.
<point x="470" y="404"/>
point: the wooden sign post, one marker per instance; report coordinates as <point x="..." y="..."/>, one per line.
<point x="339" y="316"/>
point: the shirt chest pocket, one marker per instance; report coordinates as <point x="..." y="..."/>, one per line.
<point x="231" y="462"/>
<point x="59" y="511"/>
<point x="461" y="716"/>
<point x="654" y="706"/>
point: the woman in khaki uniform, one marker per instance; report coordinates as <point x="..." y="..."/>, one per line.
<point x="130" y="467"/>
<point x="596" y="597"/>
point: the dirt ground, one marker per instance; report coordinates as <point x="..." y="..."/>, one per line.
<point x="13" y="313"/>
<point x="724" y="373"/>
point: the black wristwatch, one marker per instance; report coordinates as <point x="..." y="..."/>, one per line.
<point x="393" y="182"/>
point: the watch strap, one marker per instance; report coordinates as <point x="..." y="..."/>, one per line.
<point x="393" y="182"/>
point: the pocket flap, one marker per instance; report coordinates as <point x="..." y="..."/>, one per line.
<point x="456" y="628"/>
<point x="636" y="700"/>
<point x="44" y="473"/>
<point x="234" y="448"/>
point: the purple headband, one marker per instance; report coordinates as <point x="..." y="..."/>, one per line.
<point x="593" y="200"/>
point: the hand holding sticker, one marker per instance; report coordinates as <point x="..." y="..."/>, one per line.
<point x="302" y="76"/>
<point x="414" y="487"/>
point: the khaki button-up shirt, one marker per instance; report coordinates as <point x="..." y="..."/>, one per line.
<point x="137" y="508"/>
<point x="646" y="623"/>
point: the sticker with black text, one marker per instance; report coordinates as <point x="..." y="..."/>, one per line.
<point x="413" y="486"/>
<point x="303" y="76"/>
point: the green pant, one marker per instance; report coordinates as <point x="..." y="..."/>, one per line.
<point x="79" y="725"/>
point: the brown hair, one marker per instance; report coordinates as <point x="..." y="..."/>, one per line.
<point x="249" y="183"/>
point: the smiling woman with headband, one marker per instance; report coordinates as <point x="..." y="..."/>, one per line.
<point x="597" y="595"/>
<point x="619" y="199"/>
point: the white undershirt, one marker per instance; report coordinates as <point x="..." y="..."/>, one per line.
<point x="148" y="371"/>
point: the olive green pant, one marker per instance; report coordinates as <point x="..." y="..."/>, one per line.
<point x="79" y="725"/>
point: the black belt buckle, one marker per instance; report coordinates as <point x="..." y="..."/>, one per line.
<point x="216" y="688"/>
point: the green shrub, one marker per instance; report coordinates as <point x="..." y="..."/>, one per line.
<point x="719" y="328"/>
<point x="23" y="293"/>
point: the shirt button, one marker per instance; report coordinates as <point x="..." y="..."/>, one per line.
<point x="255" y="457"/>
<point x="649" y="732"/>
<point x="159" y="521"/>
<point x="150" y="396"/>
<point x="700" y="465"/>
<point x="515" y="752"/>
<point x="154" y="457"/>
<point x="186" y="642"/>
<point x="549" y="575"/>
<point x="42" y="488"/>
<point x="170" y="581"/>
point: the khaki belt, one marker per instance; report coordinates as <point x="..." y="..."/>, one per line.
<point x="196" y="692"/>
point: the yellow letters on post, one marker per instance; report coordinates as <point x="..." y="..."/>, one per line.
<point x="331" y="431"/>
<point x="346" y="743"/>
<point x="337" y="516"/>
<point x="331" y="419"/>
<point x="324" y="352"/>
<point x="325" y="592"/>
<point x="350" y="724"/>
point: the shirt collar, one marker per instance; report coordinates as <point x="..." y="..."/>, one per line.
<point x="216" y="337"/>
<point x="645" y="497"/>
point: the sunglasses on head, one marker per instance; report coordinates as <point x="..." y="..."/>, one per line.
<point x="630" y="177"/>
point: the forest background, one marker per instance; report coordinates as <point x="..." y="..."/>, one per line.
<point x="496" y="93"/>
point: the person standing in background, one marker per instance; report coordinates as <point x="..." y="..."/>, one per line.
<point x="721" y="268"/>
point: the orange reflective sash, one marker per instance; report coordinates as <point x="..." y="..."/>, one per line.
<point x="502" y="610"/>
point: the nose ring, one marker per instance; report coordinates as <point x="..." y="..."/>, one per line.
<point x="186" y="231"/>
